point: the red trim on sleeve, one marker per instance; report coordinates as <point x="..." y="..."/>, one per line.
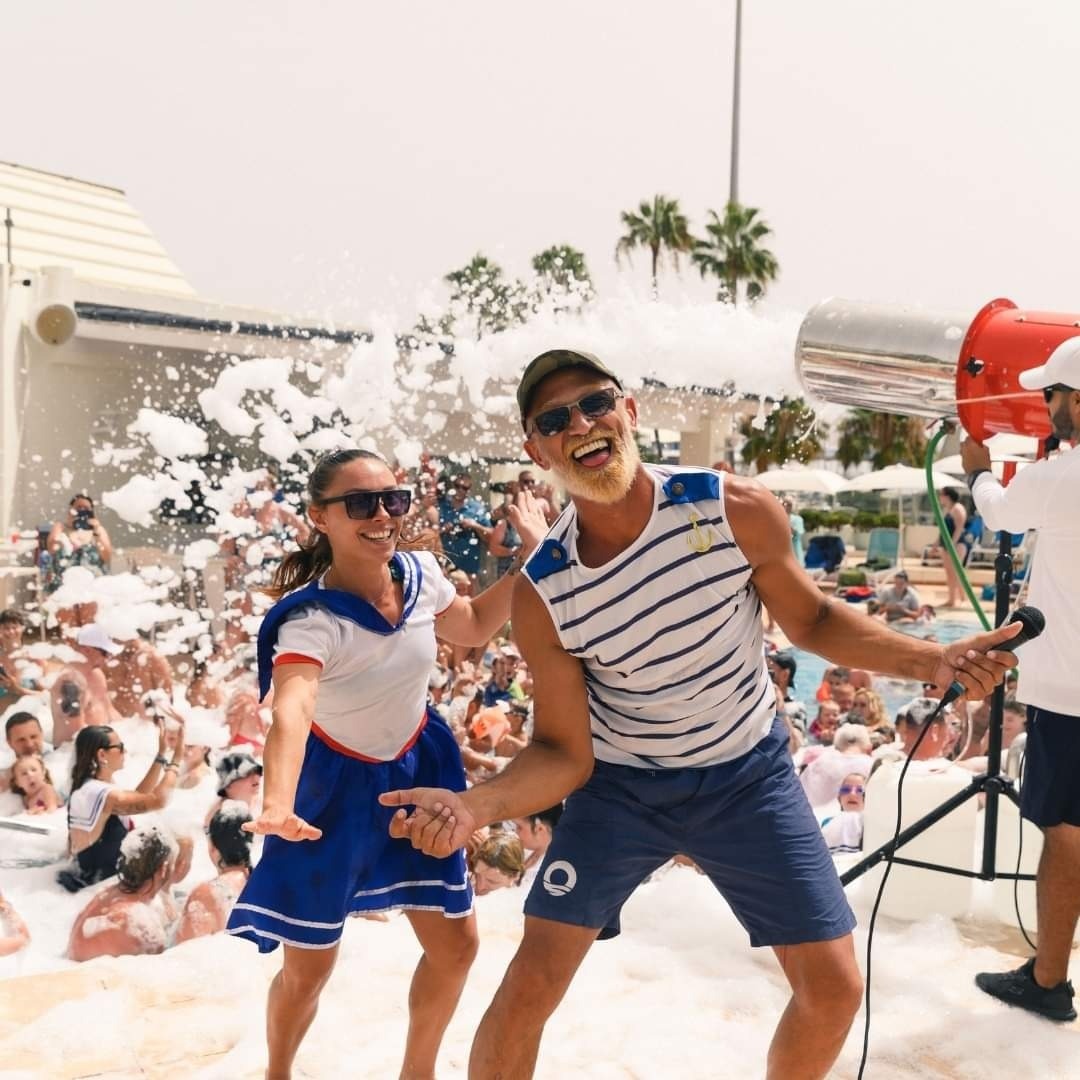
<point x="448" y="606"/>
<point x="295" y="658"/>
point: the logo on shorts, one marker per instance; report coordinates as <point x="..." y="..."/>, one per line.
<point x="559" y="878"/>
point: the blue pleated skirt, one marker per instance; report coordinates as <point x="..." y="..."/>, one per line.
<point x="300" y="893"/>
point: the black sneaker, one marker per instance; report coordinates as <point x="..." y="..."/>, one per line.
<point x="1020" y="988"/>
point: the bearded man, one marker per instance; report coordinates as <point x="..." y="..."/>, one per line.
<point x="639" y="617"/>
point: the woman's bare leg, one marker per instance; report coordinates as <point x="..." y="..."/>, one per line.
<point x="292" y="1003"/>
<point x="449" y="949"/>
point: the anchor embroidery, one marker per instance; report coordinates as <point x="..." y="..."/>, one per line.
<point x="697" y="539"/>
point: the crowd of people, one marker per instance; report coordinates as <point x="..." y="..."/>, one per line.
<point x="63" y="714"/>
<point x="389" y="695"/>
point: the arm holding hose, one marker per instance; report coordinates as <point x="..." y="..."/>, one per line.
<point x="1016" y="508"/>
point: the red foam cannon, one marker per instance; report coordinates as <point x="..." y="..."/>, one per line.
<point x="933" y="364"/>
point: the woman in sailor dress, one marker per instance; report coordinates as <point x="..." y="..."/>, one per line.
<point x="348" y="649"/>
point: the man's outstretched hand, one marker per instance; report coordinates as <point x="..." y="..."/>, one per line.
<point x="439" y="824"/>
<point x="976" y="663"/>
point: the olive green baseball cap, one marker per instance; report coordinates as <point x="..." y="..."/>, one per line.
<point x="553" y="360"/>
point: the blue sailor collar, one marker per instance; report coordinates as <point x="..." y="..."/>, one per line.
<point x="403" y="566"/>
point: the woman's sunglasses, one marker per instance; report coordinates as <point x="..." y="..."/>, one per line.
<point x="591" y="406"/>
<point x="361" y="505"/>
<point x="852" y="789"/>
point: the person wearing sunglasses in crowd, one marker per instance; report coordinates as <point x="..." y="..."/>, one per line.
<point x="843" y="831"/>
<point x="639" y="617"/>
<point x="100" y="811"/>
<point x="465" y="525"/>
<point x="1044" y="497"/>
<point x="348" y="649"/>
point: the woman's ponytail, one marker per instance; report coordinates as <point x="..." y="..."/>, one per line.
<point x="301" y="566"/>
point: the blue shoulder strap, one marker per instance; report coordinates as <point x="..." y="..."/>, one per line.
<point x="343" y="604"/>
<point x="692" y="487"/>
<point x="549" y="558"/>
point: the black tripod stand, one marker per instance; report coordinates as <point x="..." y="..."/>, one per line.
<point x="991" y="784"/>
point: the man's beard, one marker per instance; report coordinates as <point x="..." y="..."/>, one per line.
<point x="608" y="484"/>
<point x="1061" y="422"/>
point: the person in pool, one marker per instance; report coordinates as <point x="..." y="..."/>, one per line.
<point x="99" y="810"/>
<point x="122" y="920"/>
<point x="30" y="778"/>
<point x="207" y="908"/>
<point x="347" y="649"/>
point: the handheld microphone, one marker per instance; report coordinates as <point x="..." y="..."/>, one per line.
<point x="1032" y="622"/>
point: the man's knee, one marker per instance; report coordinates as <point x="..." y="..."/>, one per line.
<point x="825" y="978"/>
<point x="542" y="969"/>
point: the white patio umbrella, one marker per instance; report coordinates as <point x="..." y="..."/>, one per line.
<point x="901" y="479"/>
<point x="797" y="477"/>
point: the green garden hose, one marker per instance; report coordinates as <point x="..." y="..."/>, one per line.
<point x="950" y="547"/>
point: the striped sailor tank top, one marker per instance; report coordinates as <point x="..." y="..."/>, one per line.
<point x="669" y="631"/>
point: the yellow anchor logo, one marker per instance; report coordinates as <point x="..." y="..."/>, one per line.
<point x="697" y="539"/>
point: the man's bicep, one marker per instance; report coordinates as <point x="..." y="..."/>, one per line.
<point x="761" y="529"/>
<point x="560" y="704"/>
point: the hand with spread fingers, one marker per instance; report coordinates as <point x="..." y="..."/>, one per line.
<point x="976" y="663"/>
<point x="527" y="517"/>
<point x="283" y="823"/>
<point x="439" y="824"/>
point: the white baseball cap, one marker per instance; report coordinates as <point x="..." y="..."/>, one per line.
<point x="92" y="636"/>
<point x="1062" y="367"/>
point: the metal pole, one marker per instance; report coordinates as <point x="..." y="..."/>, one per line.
<point x="733" y="192"/>
<point x="1003" y="575"/>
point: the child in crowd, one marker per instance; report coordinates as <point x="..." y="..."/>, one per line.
<point x="843" y="831"/>
<point x="499" y="862"/>
<point x="30" y="778"/>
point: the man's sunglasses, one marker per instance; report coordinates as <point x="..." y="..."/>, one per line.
<point x="851" y="789"/>
<point x="361" y="505"/>
<point x="1049" y="391"/>
<point x="591" y="406"/>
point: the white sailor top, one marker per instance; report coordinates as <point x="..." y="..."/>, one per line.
<point x="374" y="681"/>
<point x="669" y="631"/>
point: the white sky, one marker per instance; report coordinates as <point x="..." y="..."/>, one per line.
<point x="338" y="157"/>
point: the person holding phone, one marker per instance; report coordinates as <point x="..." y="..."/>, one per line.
<point x="100" y="811"/>
<point x="79" y="540"/>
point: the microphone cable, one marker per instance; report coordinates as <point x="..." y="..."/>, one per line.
<point x="1019" y="856"/>
<point x="932" y="718"/>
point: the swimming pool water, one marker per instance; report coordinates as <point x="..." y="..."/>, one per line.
<point x="894" y="692"/>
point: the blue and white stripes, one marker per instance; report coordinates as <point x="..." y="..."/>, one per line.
<point x="669" y="632"/>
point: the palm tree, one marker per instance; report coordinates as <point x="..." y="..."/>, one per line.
<point x="658" y="225"/>
<point x="561" y="266"/>
<point x="733" y="253"/>
<point x="884" y="438"/>
<point x="792" y="432"/>
<point x="480" y="288"/>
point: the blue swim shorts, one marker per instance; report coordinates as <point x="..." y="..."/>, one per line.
<point x="746" y="823"/>
<point x="1050" y="794"/>
<point x="301" y="893"/>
